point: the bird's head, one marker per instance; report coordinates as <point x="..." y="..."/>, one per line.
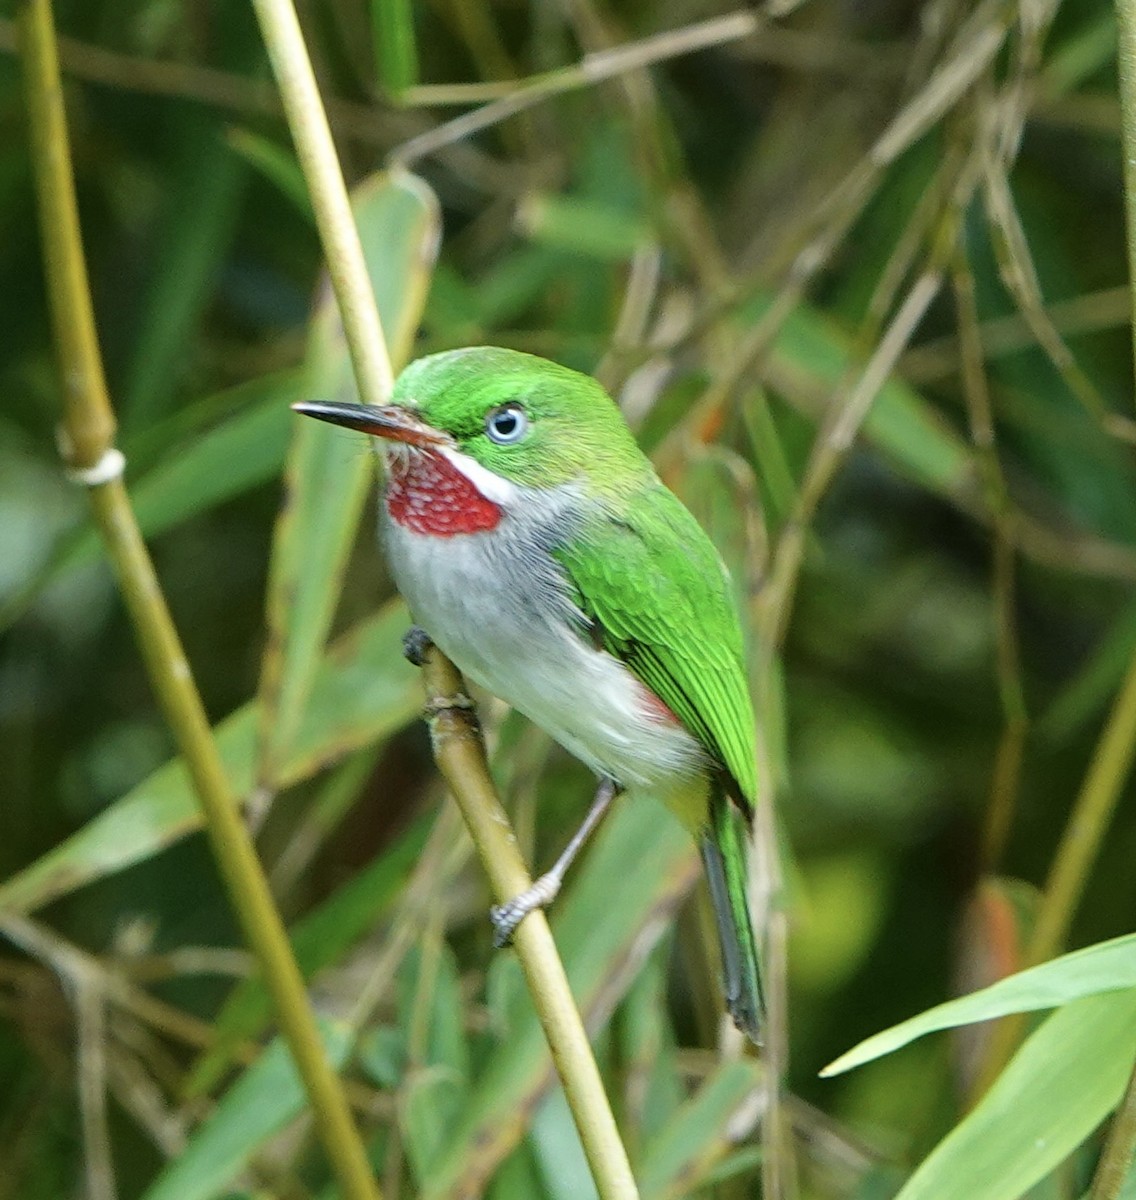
<point x="507" y="420"/>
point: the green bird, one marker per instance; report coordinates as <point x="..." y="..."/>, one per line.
<point x="537" y="547"/>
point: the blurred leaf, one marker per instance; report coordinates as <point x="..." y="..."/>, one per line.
<point x="1067" y="1077"/>
<point x="583" y="227"/>
<point x="518" y="1178"/>
<point x="395" y="47"/>
<point x="265" y="1098"/>
<point x="435" y="1088"/>
<point x="192" y="472"/>
<point x="812" y="355"/>
<point x="328" y="471"/>
<point x="557" y="1151"/>
<point x="1106" y="967"/>
<point x="460" y="312"/>
<point x="634" y="876"/>
<point x="769" y="455"/>
<point x="320" y="938"/>
<point x="840" y="898"/>
<point x="364" y="691"/>
<point x="241" y="452"/>
<point x="1090" y="690"/>
<point x="702" y="1131"/>
<point x="204" y="201"/>
<point x="652" y="1083"/>
<point x="276" y="164"/>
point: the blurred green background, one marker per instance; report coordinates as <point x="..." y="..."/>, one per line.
<point x="794" y="213"/>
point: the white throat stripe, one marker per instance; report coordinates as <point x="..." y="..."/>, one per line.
<point x="491" y="486"/>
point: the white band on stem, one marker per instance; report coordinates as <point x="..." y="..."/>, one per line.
<point x="110" y="466"/>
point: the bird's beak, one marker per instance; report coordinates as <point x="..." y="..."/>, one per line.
<point x="390" y="422"/>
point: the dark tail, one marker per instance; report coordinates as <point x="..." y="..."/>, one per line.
<point x="724" y="846"/>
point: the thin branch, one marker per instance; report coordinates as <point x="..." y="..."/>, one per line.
<point x="591" y="69"/>
<point x="87" y="439"/>
<point x="316" y="152"/>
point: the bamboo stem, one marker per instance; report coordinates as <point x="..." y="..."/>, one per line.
<point x="315" y="149"/>
<point x="460" y="754"/>
<point x="88" y="446"/>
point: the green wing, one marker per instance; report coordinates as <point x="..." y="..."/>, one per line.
<point x="653" y="585"/>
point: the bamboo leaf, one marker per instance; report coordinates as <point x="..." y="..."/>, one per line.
<point x="190" y="470"/>
<point x="265" y="1098"/>
<point x="702" y="1131"/>
<point x="1106" y="967"/>
<point x="364" y="691"/>
<point x="811" y="356"/>
<point x="328" y="472"/>
<point x="203" y="207"/>
<point x="321" y="937"/>
<point x="277" y="165"/>
<point x="395" y="45"/>
<point x="1067" y="1077"/>
<point x="436" y="1087"/>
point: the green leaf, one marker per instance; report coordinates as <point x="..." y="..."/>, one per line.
<point x="328" y="471"/>
<point x="557" y="1152"/>
<point x="701" y="1132"/>
<point x="812" y="355"/>
<point x="647" y="1052"/>
<point x="1105" y="967"/>
<point x="435" y="1088"/>
<point x="192" y="470"/>
<point x="518" y="1178"/>
<point x="641" y="866"/>
<point x="583" y="227"/>
<point x="265" y="1098"/>
<point x="321" y="937"/>
<point x="277" y="165"/>
<point x="395" y="48"/>
<point x="1067" y="1077"/>
<point x="204" y="195"/>
<point x="364" y="691"/>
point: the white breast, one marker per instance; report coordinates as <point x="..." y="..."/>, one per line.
<point x="497" y="603"/>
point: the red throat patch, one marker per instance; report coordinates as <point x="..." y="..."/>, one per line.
<point x="427" y="494"/>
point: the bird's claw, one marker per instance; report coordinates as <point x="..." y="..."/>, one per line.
<point x="415" y="644"/>
<point x="506" y="917"/>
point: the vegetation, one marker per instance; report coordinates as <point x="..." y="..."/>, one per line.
<point x="857" y="277"/>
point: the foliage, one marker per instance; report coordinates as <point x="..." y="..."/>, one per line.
<point x="856" y="276"/>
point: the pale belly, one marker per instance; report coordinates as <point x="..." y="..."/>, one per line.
<point x="502" y="614"/>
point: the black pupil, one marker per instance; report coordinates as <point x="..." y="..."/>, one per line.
<point x="505" y="423"/>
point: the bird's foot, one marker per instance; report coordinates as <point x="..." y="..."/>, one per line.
<point x="506" y="917"/>
<point x="415" y="643"/>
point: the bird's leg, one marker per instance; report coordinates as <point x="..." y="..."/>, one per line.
<point x="506" y="917"/>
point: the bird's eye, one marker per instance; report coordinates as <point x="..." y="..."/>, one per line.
<point x="507" y="424"/>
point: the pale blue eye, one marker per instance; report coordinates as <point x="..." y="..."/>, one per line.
<point x="507" y="424"/>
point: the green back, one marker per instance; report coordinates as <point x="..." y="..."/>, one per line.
<point x="651" y="580"/>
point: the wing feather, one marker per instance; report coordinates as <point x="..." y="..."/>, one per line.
<point x="653" y="586"/>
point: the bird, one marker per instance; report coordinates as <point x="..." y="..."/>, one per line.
<point x="537" y="547"/>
